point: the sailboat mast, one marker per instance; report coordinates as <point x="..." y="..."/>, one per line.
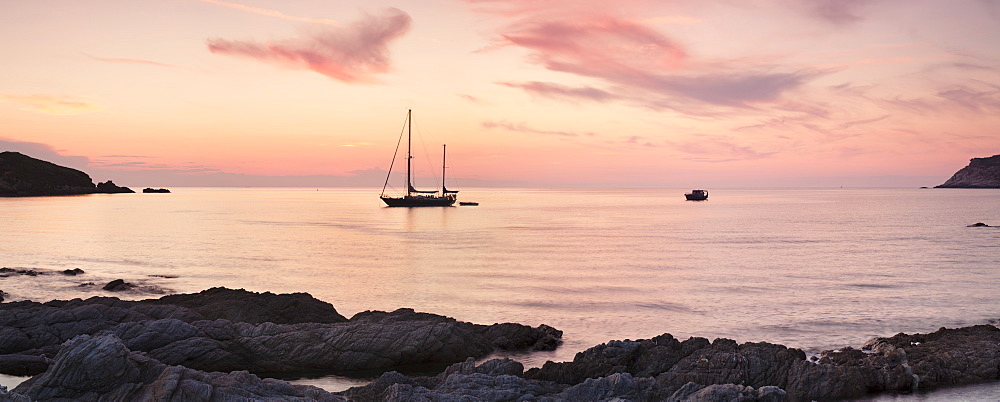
<point x="409" y="156"/>
<point x="444" y="159"/>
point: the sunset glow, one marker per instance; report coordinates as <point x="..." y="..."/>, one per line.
<point x="525" y="93"/>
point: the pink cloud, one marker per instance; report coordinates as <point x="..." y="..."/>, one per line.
<point x="128" y="61"/>
<point x="50" y="104"/>
<point x="631" y="61"/>
<point x="597" y="46"/>
<point x="351" y="54"/>
<point x="523" y="128"/>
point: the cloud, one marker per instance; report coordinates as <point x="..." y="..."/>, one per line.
<point x="710" y="148"/>
<point x="558" y="91"/>
<point x="523" y="128"/>
<point x="44" y="152"/>
<point x="839" y="12"/>
<point x="128" y="61"/>
<point x="271" y="13"/>
<point x="50" y="104"/>
<point x="349" y="54"/>
<point x="630" y="61"/>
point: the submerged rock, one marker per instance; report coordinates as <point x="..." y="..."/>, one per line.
<point x="978" y="225"/>
<point x="118" y="285"/>
<point x="73" y="272"/>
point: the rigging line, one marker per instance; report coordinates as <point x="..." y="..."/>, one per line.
<point x="394" y="153"/>
<point x="427" y="158"/>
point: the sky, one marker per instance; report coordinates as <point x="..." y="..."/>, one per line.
<point x="555" y="93"/>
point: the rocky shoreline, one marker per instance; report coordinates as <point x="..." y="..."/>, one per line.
<point x="219" y="344"/>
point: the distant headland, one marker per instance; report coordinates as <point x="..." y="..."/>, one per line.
<point x="981" y="173"/>
<point x="24" y="176"/>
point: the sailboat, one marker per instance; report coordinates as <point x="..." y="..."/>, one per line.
<point x="414" y="197"/>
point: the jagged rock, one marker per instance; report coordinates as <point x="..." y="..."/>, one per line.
<point x="109" y="187"/>
<point x="947" y="357"/>
<point x="980" y="173"/>
<point x="199" y="337"/>
<point x="242" y="306"/>
<point x="692" y="392"/>
<point x="118" y="285"/>
<point x="102" y="368"/>
<point x="23" y="364"/>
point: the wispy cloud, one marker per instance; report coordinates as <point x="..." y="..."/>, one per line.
<point x="127" y="61"/>
<point x="523" y="128"/>
<point x="630" y="60"/>
<point x="352" y="54"/>
<point x="48" y="104"/>
<point x="44" y="152"/>
<point x="558" y="91"/>
<point x="271" y="13"/>
<point x="713" y="148"/>
<point x="839" y="12"/>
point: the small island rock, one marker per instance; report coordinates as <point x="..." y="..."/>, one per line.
<point x="155" y="190"/>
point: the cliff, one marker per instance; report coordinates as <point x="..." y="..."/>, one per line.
<point x="981" y="173"/>
<point x="23" y="176"/>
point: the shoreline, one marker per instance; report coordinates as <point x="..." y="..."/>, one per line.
<point x="295" y="333"/>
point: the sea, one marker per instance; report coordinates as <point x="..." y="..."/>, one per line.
<point x="815" y="269"/>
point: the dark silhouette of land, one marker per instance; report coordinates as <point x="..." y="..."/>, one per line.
<point x="24" y="176"/>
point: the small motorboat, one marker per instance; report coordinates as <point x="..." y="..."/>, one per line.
<point x="697" y="195"/>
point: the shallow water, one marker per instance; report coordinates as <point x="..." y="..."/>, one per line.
<point x="814" y="269"/>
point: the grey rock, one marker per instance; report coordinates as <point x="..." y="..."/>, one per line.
<point x="692" y="392"/>
<point x="102" y="368"/>
<point x="180" y="335"/>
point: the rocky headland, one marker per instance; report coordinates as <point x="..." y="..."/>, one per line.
<point x="24" y="176"/>
<point x="222" y="344"/>
<point x="980" y="173"/>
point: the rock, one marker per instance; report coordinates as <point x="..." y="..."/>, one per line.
<point x="155" y="190"/>
<point x="980" y="173"/>
<point x="243" y="306"/>
<point x="6" y="272"/>
<point x="978" y="225"/>
<point x="102" y="368"/>
<point x="204" y="331"/>
<point x="22" y="365"/>
<point x="118" y="285"/>
<point x="73" y="272"/>
<point x="1" y="296"/>
<point x="899" y="364"/>
<point x="692" y="392"/>
<point x="109" y="187"/>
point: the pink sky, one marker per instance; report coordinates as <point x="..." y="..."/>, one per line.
<point x="525" y="93"/>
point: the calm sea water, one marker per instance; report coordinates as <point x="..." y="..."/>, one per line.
<point x="815" y="269"/>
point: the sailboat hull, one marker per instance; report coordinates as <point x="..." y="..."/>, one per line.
<point x="418" y="201"/>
